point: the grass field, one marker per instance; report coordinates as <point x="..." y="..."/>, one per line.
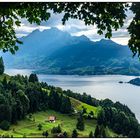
<point x="78" y="105"/>
<point x="28" y="127"/>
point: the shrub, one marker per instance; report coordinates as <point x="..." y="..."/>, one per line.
<point x="39" y="126"/>
<point x="74" y="134"/>
<point x="80" y="123"/>
<point x="45" y="133"/>
<point x="56" y="129"/>
<point x="5" y="125"/>
<point x="65" y="134"/>
<point x="24" y="135"/>
<point x="30" y="115"/>
<point x="91" y="135"/>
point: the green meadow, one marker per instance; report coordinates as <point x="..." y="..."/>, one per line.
<point x="28" y="126"/>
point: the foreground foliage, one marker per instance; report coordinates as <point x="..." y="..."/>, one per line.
<point x="107" y="16"/>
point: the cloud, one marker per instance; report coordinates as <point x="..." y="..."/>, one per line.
<point x="76" y="28"/>
<point x="27" y="28"/>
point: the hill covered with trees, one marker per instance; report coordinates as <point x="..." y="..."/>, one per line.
<point x="135" y="81"/>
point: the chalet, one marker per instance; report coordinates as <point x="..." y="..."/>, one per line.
<point x="52" y="118"/>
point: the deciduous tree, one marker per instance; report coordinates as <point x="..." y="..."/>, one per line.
<point x="107" y="16"/>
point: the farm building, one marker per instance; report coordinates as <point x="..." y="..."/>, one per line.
<point x="52" y="118"/>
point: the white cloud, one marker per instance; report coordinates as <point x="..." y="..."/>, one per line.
<point x="120" y="40"/>
<point x="21" y="35"/>
<point x="76" y="27"/>
<point x="24" y="29"/>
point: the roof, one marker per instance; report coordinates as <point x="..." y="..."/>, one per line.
<point x="52" y="118"/>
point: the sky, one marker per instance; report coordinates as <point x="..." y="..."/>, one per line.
<point x="76" y="28"/>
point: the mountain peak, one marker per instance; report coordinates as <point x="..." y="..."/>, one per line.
<point x="106" y="40"/>
<point x="35" y="31"/>
<point x="83" y="38"/>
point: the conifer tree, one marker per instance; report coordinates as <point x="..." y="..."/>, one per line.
<point x="91" y="135"/>
<point x="80" y="123"/>
<point x="74" y="134"/>
<point x="33" y="78"/>
<point x="4" y="82"/>
<point x="65" y="105"/>
<point x="1" y="66"/>
<point x="97" y="132"/>
<point x="65" y="134"/>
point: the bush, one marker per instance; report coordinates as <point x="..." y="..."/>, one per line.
<point x="5" y="125"/>
<point x="80" y="123"/>
<point x="65" y="134"/>
<point x="45" y="133"/>
<point x="39" y="126"/>
<point x="24" y="135"/>
<point x="30" y="115"/>
<point x="56" y="129"/>
<point x="74" y="134"/>
<point x="91" y="135"/>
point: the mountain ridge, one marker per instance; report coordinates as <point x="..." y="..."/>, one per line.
<point x="57" y="52"/>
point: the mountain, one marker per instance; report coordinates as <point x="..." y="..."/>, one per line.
<point x="57" y="52"/>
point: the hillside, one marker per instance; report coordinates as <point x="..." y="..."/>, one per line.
<point x="56" y="52"/>
<point x="28" y="106"/>
<point x="28" y="128"/>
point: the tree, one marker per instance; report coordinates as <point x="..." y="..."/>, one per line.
<point x="91" y="135"/>
<point x="5" y="112"/>
<point x="91" y="114"/>
<point x="65" y="134"/>
<point x="56" y="129"/>
<point x="133" y="29"/>
<point x="97" y="132"/>
<point x="34" y="94"/>
<point x="65" y="105"/>
<point x="39" y="126"/>
<point x="101" y="118"/>
<point x="55" y="100"/>
<point x="74" y="133"/>
<point x="104" y="133"/>
<point x="5" y="125"/>
<point x="106" y="16"/>
<point x="4" y="82"/>
<point x="33" y="78"/>
<point x="59" y="129"/>
<point x="84" y="110"/>
<point x="1" y="66"/>
<point x="80" y="123"/>
<point x="23" y="99"/>
<point x="45" y="133"/>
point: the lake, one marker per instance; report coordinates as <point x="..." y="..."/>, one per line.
<point x="98" y="86"/>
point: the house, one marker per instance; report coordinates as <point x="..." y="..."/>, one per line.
<point x="52" y="118"/>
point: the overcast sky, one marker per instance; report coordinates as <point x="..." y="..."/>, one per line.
<point x="76" y="28"/>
